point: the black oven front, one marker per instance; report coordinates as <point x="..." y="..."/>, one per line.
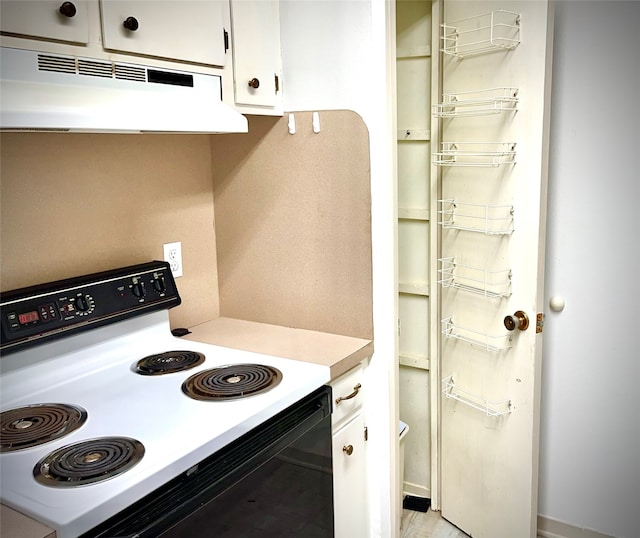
<point x="274" y="481"/>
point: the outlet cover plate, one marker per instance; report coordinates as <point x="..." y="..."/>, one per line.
<point x="173" y="255"/>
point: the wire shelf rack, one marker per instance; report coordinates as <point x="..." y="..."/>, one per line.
<point x="490" y="32"/>
<point x="480" y="218"/>
<point x="488" y="407"/>
<point x="492" y="284"/>
<point x="485" y="154"/>
<point x="477" y="103"/>
<point x="476" y="338"/>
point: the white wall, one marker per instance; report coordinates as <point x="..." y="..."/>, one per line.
<point x="334" y="56"/>
<point x="590" y="439"/>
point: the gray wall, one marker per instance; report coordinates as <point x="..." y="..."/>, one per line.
<point x="590" y="453"/>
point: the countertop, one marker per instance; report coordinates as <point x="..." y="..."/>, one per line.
<point x="15" y="525"/>
<point x="340" y="353"/>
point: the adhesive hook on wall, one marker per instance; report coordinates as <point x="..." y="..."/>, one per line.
<point x="292" y="124"/>
<point x="315" y="120"/>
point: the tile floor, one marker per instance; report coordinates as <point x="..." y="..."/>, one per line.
<point x="428" y="525"/>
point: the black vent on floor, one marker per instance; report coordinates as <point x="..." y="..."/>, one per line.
<point x="417" y="504"/>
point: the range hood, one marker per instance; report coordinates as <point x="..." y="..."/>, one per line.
<point x="52" y="92"/>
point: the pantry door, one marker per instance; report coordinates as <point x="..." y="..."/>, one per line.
<point x="491" y="160"/>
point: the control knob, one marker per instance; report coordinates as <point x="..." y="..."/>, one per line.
<point x="159" y="284"/>
<point x="82" y="303"/>
<point x="138" y="289"/>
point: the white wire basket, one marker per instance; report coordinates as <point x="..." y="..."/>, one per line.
<point x="477" y="103"/>
<point x="492" y="408"/>
<point x="488" y="283"/>
<point x="494" y="343"/>
<point x="483" y="154"/>
<point x="479" y="218"/>
<point x="490" y="32"/>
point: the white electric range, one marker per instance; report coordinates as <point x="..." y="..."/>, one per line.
<point x="98" y="374"/>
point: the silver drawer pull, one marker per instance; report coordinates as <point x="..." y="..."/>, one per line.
<point x="356" y="389"/>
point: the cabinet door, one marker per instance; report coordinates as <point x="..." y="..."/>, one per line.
<point x="256" y="52"/>
<point x="349" y="480"/>
<point x="46" y="19"/>
<point x="493" y="155"/>
<point x="186" y="30"/>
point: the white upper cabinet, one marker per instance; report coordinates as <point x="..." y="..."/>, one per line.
<point x="46" y="19"/>
<point x="236" y="39"/>
<point x="257" y="62"/>
<point x="185" y="30"/>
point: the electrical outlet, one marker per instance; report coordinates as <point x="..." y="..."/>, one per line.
<point x="173" y="255"/>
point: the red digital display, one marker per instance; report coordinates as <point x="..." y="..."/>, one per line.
<point x="28" y="317"/>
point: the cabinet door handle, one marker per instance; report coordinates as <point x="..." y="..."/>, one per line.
<point x="356" y="389"/>
<point x="131" y="23"/>
<point x="254" y="83"/>
<point x="348" y="450"/>
<point x="68" y="9"/>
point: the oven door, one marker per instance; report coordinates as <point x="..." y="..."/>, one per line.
<point x="274" y="481"/>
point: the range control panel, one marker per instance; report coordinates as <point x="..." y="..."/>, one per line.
<point x="38" y="313"/>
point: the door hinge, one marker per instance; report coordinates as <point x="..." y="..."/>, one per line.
<point x="226" y="40"/>
<point x="539" y="322"/>
<point x="366" y="433"/>
<point x="277" y="81"/>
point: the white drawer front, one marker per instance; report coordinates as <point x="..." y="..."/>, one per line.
<point x="348" y="394"/>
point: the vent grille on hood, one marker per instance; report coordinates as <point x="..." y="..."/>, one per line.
<point x="56" y="64"/>
<point x="95" y="69"/>
<point x="80" y="66"/>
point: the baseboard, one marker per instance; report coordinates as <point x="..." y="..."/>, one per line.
<point x="409" y="488"/>
<point x="552" y="528"/>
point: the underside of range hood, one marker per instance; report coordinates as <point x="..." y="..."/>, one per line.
<point x="51" y="92"/>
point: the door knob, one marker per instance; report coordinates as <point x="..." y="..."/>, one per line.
<point x="348" y="450"/>
<point x="518" y="321"/>
<point x="254" y="83"/>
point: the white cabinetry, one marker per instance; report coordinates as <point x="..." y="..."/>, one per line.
<point x="349" y="461"/>
<point x="238" y="39"/>
<point x="46" y="19"/>
<point x="257" y="63"/>
<point x="191" y="31"/>
<point x="185" y="30"/>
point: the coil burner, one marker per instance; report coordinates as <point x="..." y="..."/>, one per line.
<point x="33" y="425"/>
<point x="231" y="382"/>
<point x="169" y="362"/>
<point x="88" y="461"/>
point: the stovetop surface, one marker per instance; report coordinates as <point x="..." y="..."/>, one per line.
<point x="95" y="370"/>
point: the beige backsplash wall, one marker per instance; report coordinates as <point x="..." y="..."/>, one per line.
<point x="78" y="203"/>
<point x="293" y="218"/>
